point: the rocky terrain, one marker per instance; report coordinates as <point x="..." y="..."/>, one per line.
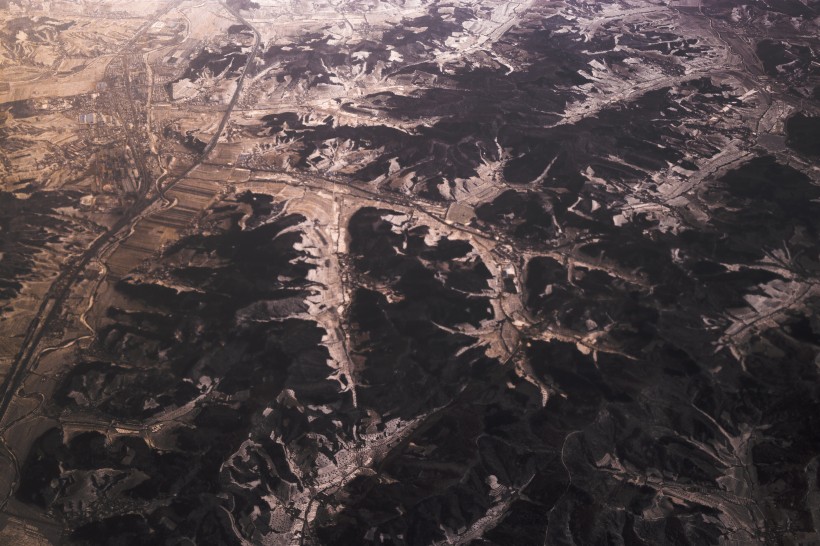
<point x="415" y="272"/>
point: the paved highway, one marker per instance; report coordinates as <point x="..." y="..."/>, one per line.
<point x="50" y="307"/>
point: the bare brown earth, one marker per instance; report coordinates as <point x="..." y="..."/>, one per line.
<point x="409" y="272"/>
